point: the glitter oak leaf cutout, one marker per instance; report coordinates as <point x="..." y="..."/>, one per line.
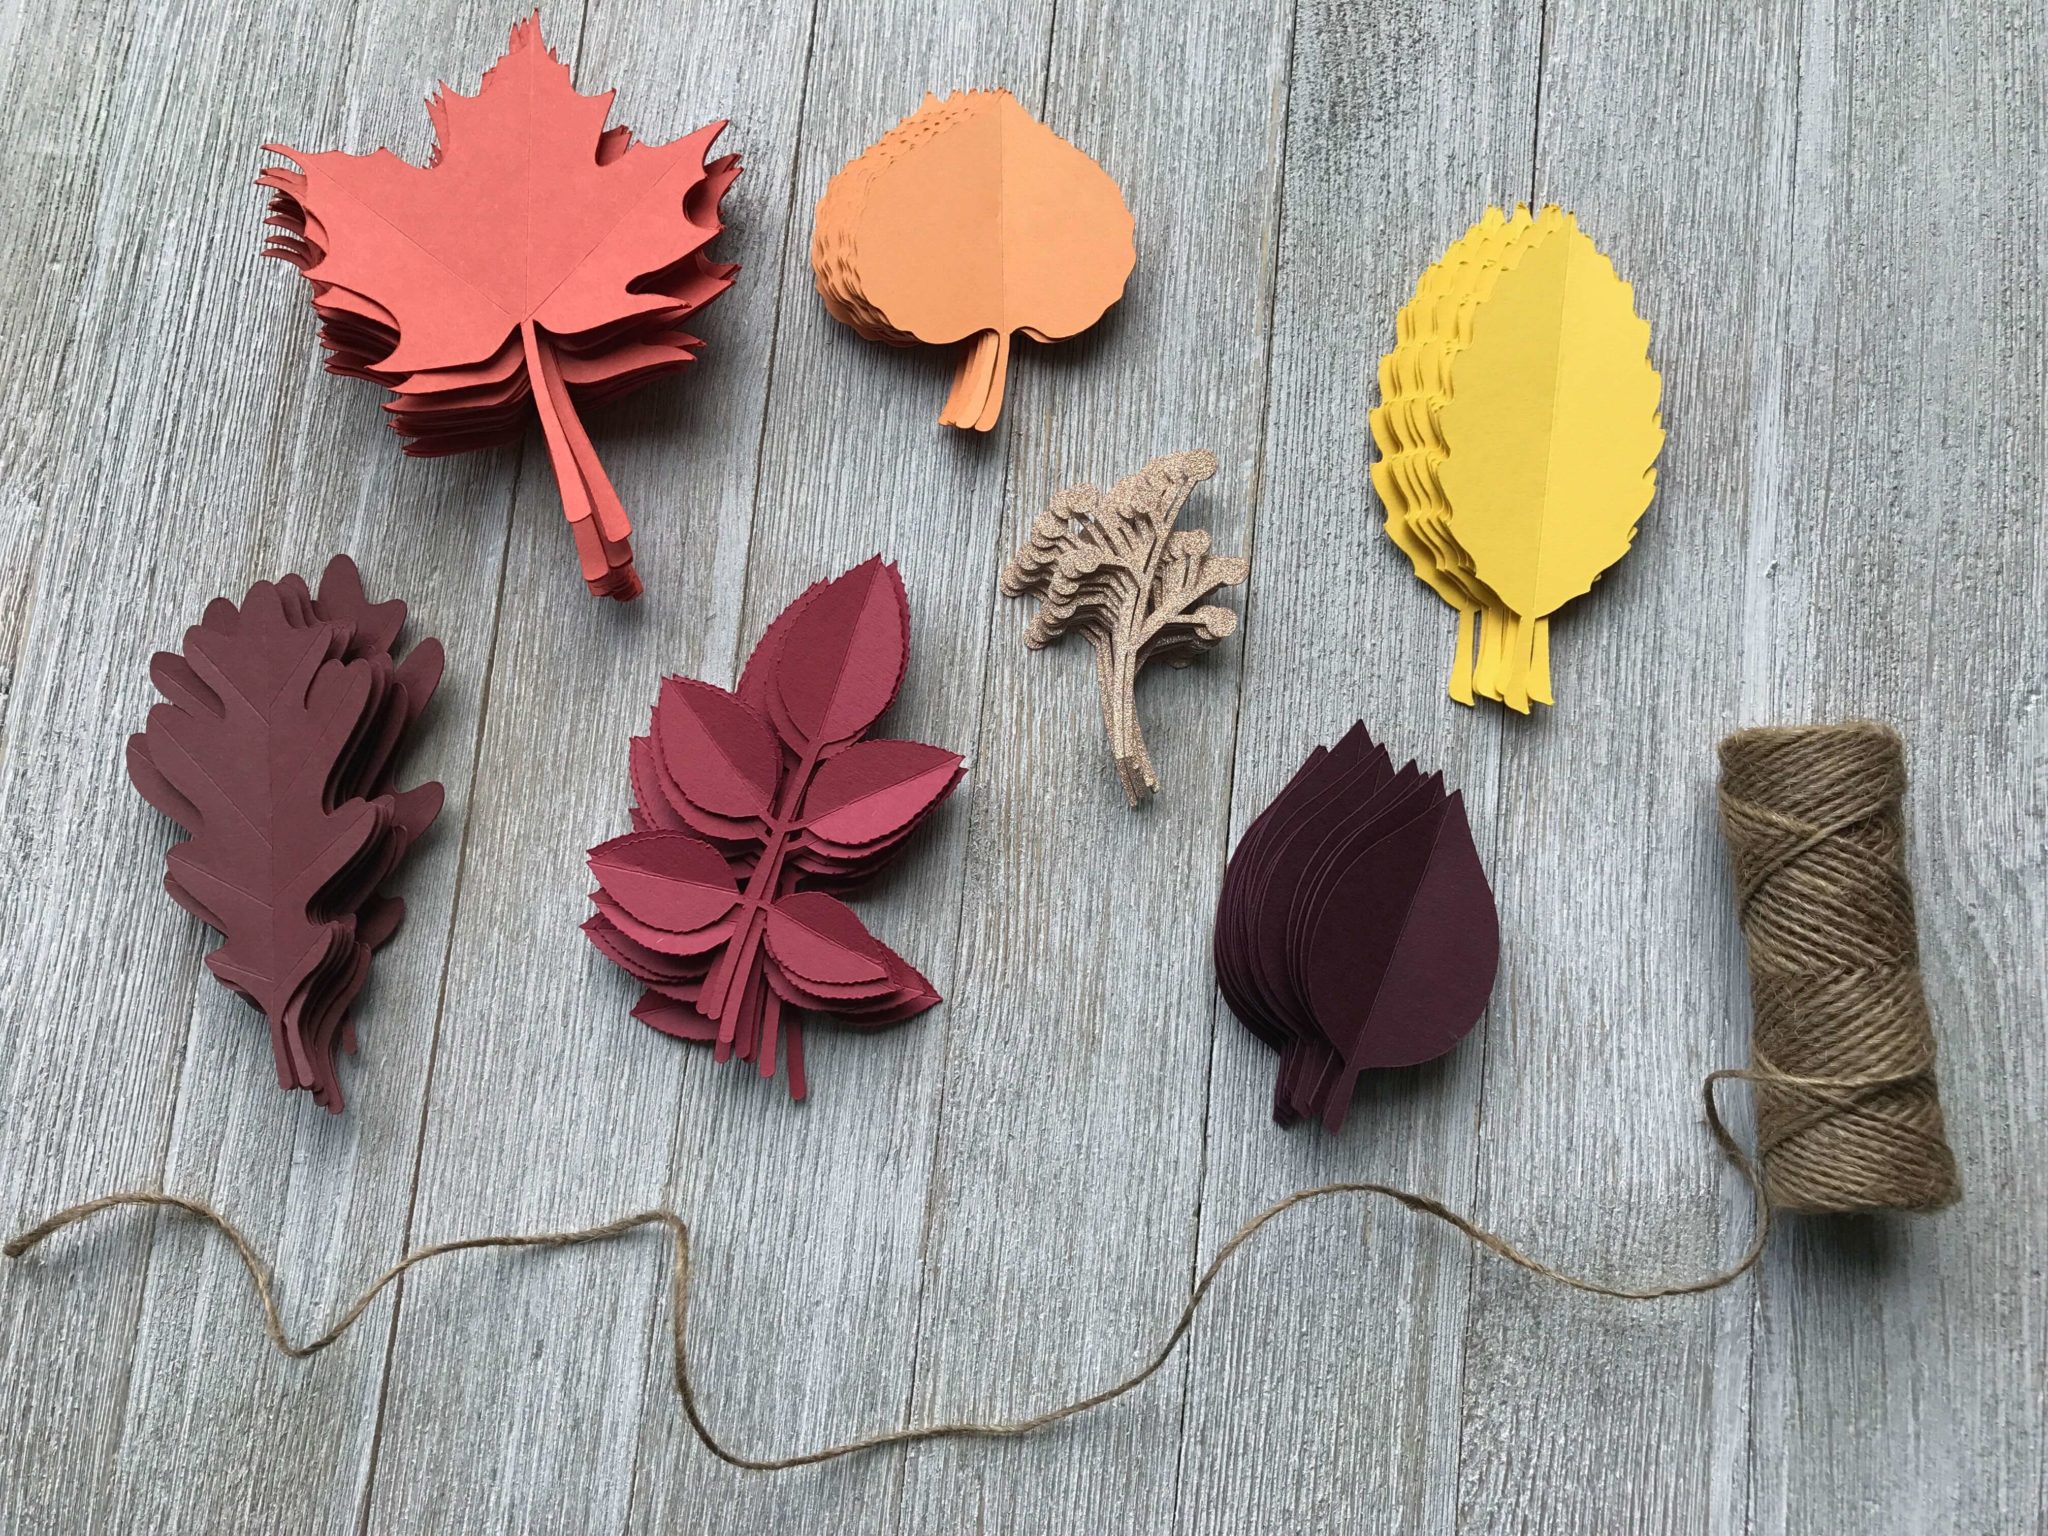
<point x="1111" y="567"/>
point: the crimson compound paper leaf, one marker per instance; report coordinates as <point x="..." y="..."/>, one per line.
<point x="842" y="660"/>
<point x="817" y="937"/>
<point x="719" y="753"/>
<point x="876" y="789"/>
<point x="667" y="880"/>
<point x="732" y="931"/>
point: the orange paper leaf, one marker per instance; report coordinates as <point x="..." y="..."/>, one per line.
<point x="969" y="221"/>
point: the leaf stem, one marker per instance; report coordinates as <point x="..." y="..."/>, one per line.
<point x="762" y="889"/>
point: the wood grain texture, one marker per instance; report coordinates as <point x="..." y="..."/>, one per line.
<point x="1833" y="216"/>
<point x="1081" y="1019"/>
<point x="542" y="1391"/>
<point x="814" y="1217"/>
<point x="1901" y="1369"/>
<point x="1621" y="984"/>
<point x="1402" y="124"/>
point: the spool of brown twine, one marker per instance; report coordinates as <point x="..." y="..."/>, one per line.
<point x="1841" y="1047"/>
<point x="1841" y="1061"/>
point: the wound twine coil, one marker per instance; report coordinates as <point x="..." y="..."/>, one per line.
<point x="1841" y="1048"/>
<point x="1841" y="1063"/>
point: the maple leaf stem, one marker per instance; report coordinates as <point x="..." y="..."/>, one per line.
<point x="597" y="518"/>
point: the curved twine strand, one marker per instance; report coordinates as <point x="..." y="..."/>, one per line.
<point x="679" y="1282"/>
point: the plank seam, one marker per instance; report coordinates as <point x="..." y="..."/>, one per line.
<point x="899" y="1461"/>
<point x="1253" y="506"/>
<point x="441" y="995"/>
<point x="796" y="160"/>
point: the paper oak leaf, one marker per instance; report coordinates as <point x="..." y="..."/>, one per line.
<point x="1355" y="928"/>
<point x="970" y="221"/>
<point x="1112" y="568"/>
<point x="537" y="255"/>
<point x="275" y="751"/>
<point x="750" y="810"/>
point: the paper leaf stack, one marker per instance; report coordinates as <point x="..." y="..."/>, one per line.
<point x="1113" y="569"/>
<point x="1517" y="430"/>
<point x="538" y="255"/>
<point x="1355" y="928"/>
<point x="970" y="221"/>
<point x="276" y="753"/>
<point x="750" y="809"/>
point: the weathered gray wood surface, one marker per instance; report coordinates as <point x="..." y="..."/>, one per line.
<point x="1833" y="215"/>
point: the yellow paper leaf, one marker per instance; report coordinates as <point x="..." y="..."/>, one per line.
<point x="1552" y="427"/>
<point x="1517" y="427"/>
<point x="1414" y="380"/>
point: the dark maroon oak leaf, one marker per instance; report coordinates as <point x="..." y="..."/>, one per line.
<point x="275" y="752"/>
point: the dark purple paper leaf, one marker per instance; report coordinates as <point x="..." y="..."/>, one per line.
<point x="1355" y="927"/>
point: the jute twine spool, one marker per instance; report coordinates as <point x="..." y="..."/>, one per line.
<point x="1842" y="1063"/>
<point x="1841" y="1050"/>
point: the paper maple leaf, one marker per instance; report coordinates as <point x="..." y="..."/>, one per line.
<point x="749" y="808"/>
<point x="1113" y="569"/>
<point x="537" y="253"/>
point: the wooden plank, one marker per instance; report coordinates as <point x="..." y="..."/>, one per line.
<point x="179" y="360"/>
<point x="88" y="1069"/>
<point x="812" y="1217"/>
<point x="1622" y="975"/>
<point x="551" y="1106"/>
<point x="61" y="75"/>
<point x="997" y="1206"/>
<point x="1901" y="1362"/>
<point x="1070" y="1123"/>
<point x="1340" y="1329"/>
<point x="324" y="1197"/>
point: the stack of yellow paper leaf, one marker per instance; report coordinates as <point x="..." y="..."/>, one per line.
<point x="1517" y="430"/>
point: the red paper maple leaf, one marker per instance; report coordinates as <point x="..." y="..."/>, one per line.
<point x="537" y="254"/>
<point x="749" y="807"/>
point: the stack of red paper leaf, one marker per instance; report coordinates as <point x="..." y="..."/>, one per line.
<point x="749" y="809"/>
<point x="1355" y="927"/>
<point x="538" y="255"/>
<point x="276" y="753"/>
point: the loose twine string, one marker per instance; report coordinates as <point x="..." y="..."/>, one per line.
<point x="1814" y="825"/>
